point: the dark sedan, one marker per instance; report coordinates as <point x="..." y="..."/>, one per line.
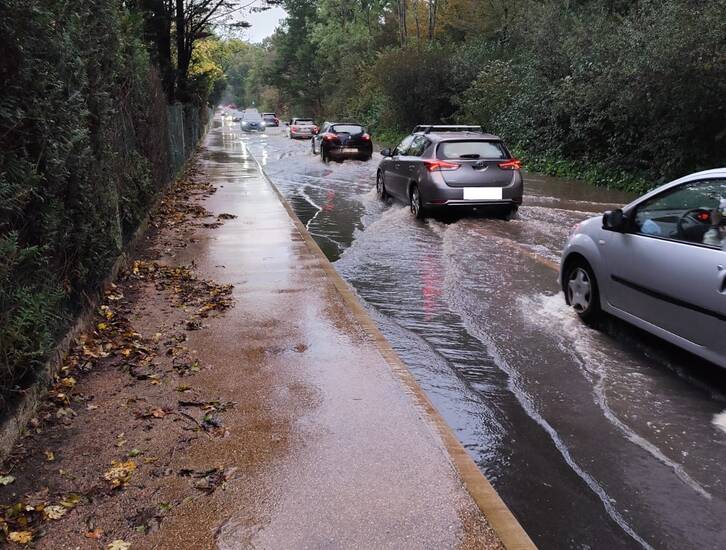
<point x="342" y="139"/>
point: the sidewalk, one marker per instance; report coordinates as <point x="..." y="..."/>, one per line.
<point x="309" y="431"/>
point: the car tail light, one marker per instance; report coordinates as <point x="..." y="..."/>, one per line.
<point x="330" y="137"/>
<point x="294" y="128"/>
<point x="513" y="164"/>
<point x="366" y="137"/>
<point x="315" y="128"/>
<point x="434" y="165"/>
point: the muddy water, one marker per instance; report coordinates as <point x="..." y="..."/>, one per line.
<point x="595" y="439"/>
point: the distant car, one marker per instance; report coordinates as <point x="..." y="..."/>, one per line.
<point x="252" y="121"/>
<point x="341" y="139"/>
<point x="270" y="120"/>
<point x="301" y="128"/>
<point x="451" y="167"/>
<point x="658" y="263"/>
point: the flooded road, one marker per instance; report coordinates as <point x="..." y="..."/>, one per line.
<point x="595" y="439"/>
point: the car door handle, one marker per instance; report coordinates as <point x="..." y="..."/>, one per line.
<point x="721" y="279"/>
<point x="410" y="168"/>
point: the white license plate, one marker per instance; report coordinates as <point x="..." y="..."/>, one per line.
<point x="349" y="150"/>
<point x="482" y="193"/>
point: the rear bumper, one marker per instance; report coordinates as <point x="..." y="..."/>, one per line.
<point x="338" y="150"/>
<point x="437" y="193"/>
<point x="300" y="135"/>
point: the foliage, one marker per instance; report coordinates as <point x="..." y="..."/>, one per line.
<point x="632" y="91"/>
<point x="83" y="152"/>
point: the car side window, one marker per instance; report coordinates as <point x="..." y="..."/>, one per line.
<point x="418" y="146"/>
<point x="402" y="148"/>
<point x="694" y="213"/>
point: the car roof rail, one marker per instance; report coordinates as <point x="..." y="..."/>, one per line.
<point x="428" y="128"/>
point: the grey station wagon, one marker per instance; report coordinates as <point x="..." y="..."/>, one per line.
<point x="658" y="263"/>
<point x="439" y="167"/>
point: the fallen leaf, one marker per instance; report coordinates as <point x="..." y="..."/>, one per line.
<point x="55" y="512"/>
<point x="49" y="456"/>
<point x="21" y="537"/>
<point x="95" y="534"/>
<point x="6" y="480"/>
<point x="119" y="544"/>
<point x="156" y="412"/>
<point x="71" y="501"/>
<point x="120" y="473"/>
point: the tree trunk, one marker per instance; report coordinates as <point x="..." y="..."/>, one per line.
<point x="181" y="49"/>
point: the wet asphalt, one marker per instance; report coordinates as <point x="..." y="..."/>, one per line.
<point x="594" y="438"/>
<point x="327" y="447"/>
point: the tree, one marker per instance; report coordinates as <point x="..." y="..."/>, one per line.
<point x="183" y="23"/>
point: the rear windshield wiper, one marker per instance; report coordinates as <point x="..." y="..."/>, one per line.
<point x="470" y="156"/>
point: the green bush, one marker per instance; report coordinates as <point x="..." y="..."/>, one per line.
<point x="83" y="151"/>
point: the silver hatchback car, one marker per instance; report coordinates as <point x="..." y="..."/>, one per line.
<point x="451" y="167"/>
<point x="658" y="263"/>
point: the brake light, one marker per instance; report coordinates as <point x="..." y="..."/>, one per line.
<point x="315" y="128"/>
<point x="294" y="128"/>
<point x="329" y="137"/>
<point x="434" y="165"/>
<point x="366" y="137"/>
<point x="513" y="164"/>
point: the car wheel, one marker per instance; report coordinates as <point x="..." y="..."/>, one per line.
<point x="582" y="291"/>
<point x="312" y="143"/>
<point x="323" y="155"/>
<point x="416" y="203"/>
<point x="381" y="187"/>
<point x="511" y="213"/>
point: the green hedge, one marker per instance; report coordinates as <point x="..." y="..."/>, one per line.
<point x="83" y="151"/>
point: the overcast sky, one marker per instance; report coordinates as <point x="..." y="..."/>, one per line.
<point x="263" y="24"/>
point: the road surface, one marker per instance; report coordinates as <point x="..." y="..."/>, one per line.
<point x="595" y="439"/>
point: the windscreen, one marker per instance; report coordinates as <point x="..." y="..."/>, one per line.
<point x="348" y="129"/>
<point x="252" y="117"/>
<point x="472" y="150"/>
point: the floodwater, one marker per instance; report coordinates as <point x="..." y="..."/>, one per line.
<point x="595" y="439"/>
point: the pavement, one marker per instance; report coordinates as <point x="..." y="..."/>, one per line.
<point x="330" y="442"/>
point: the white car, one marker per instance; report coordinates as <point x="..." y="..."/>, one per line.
<point x="658" y="263"/>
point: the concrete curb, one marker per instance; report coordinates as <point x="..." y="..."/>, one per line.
<point x="497" y="514"/>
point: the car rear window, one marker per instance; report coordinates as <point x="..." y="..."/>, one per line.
<point x="347" y="129"/>
<point x="472" y="149"/>
<point x="304" y="121"/>
<point x="268" y="117"/>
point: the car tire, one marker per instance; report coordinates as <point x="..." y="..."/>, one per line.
<point x="381" y="187"/>
<point x="323" y="155"/>
<point x="312" y="143"/>
<point x="582" y="291"/>
<point x="416" y="204"/>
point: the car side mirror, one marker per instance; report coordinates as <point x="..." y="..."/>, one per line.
<point x="386" y="152"/>
<point x="614" y="220"/>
